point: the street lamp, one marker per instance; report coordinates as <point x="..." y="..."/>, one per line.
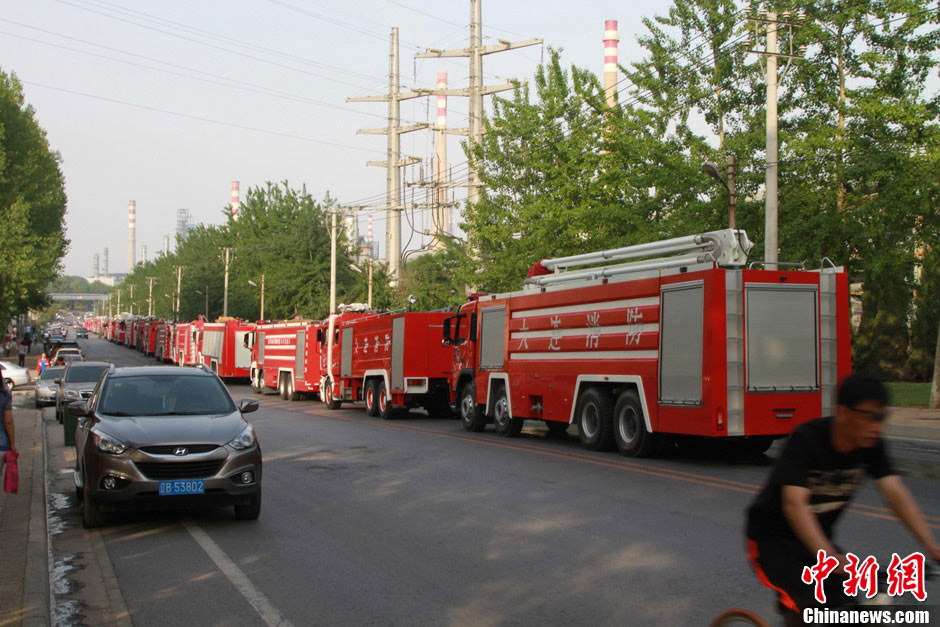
<point x="253" y="284"/>
<point x="712" y="170"/>
<point x="206" y="294"/>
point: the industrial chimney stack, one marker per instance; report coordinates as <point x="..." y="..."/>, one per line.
<point x="131" y="235"/>
<point x="95" y="266"/>
<point x="106" y="261"/>
<point x="440" y="216"/>
<point x="166" y="245"/>
<point x="236" y="204"/>
<point x="611" y="37"/>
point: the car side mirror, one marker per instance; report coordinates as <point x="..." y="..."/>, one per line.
<point x="78" y="408"/>
<point x="248" y="405"/>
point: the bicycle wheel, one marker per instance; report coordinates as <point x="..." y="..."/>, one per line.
<point x="739" y="618"/>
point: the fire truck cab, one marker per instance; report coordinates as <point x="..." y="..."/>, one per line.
<point x="639" y="352"/>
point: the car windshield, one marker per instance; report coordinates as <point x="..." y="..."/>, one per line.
<point x="165" y="395"/>
<point x="50" y="373"/>
<point x="84" y="373"/>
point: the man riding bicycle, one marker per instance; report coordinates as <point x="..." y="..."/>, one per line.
<point x="822" y="466"/>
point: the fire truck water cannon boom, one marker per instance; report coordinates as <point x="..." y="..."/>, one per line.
<point x="726" y="248"/>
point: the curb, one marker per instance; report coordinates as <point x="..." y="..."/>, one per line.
<point x="83" y="589"/>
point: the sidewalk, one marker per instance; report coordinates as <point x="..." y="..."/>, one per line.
<point x="53" y="570"/>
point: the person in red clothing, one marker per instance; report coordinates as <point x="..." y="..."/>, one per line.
<point x="41" y="364"/>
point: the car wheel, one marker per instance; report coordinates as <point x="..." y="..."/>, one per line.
<point x="383" y="403"/>
<point x="92" y="516"/>
<point x="630" y="431"/>
<point x="250" y="511"/>
<point x="470" y="415"/>
<point x="372" y="393"/>
<point x="9" y="383"/>
<point x="506" y="425"/>
<point x="594" y="420"/>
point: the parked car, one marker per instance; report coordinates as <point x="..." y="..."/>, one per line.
<point x="77" y="383"/>
<point x="14" y="375"/>
<point x="65" y="351"/>
<point x="46" y="386"/>
<point x="81" y="333"/>
<point x="165" y="436"/>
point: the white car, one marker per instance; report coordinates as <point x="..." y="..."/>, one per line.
<point x="14" y="375"/>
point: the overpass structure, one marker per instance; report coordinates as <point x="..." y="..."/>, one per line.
<point x="68" y="296"/>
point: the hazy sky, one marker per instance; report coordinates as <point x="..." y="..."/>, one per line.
<point x="166" y="103"/>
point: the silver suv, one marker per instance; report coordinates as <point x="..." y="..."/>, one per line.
<point x="165" y="436"/>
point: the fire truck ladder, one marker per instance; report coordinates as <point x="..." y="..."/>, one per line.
<point x="725" y="248"/>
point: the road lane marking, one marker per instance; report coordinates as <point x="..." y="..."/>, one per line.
<point x="871" y="511"/>
<point x="266" y="610"/>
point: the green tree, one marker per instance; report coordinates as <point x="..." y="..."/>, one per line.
<point x="437" y="280"/>
<point x="32" y="204"/>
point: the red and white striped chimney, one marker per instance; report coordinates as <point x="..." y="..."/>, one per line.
<point x="611" y="37"/>
<point x="369" y="239"/>
<point x="131" y="235"/>
<point x="440" y="214"/>
<point x="236" y="205"/>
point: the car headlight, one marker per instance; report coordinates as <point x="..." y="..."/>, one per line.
<point x="108" y="444"/>
<point x="245" y="439"/>
<point x="71" y="394"/>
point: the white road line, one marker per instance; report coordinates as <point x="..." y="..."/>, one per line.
<point x="269" y="614"/>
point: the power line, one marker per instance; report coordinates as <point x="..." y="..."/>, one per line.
<point x="198" y="118"/>
<point x="206" y="44"/>
<point x="231" y="82"/>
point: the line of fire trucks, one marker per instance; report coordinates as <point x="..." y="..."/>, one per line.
<point x="636" y="352"/>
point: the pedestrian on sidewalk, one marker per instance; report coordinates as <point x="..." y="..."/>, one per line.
<point x="21" y="349"/>
<point x="7" y="429"/>
<point x="41" y="364"/>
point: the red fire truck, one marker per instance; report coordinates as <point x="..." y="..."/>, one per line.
<point x="184" y="352"/>
<point x="636" y="353"/>
<point x="390" y="361"/>
<point x="163" y="350"/>
<point x="286" y="357"/>
<point x="224" y="348"/>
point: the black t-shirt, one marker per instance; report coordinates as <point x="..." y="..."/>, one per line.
<point x="810" y="461"/>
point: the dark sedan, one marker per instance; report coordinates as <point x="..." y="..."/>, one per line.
<point x="165" y="436"/>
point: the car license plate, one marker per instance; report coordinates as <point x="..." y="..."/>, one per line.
<point x="182" y="486"/>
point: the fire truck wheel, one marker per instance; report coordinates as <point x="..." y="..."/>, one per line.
<point x="282" y="387"/>
<point x="372" y="394"/>
<point x="594" y="420"/>
<point x="292" y="394"/>
<point x="257" y="382"/>
<point x="331" y="403"/>
<point x="630" y="432"/>
<point x="506" y="425"/>
<point x="470" y="415"/>
<point x="383" y="406"/>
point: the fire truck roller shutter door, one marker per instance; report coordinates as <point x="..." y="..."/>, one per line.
<point x="782" y="339"/>
<point x="345" y="365"/>
<point x="398" y="353"/>
<point x="682" y="320"/>
<point x="299" y="357"/>
<point x="493" y="338"/>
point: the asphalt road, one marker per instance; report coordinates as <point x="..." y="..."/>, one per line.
<point x="416" y="522"/>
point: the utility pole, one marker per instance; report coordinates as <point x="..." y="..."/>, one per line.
<point x="771" y="25"/>
<point x="935" y="384"/>
<point x="732" y="195"/>
<point x="119" y="303"/>
<point x="149" y="296"/>
<point x="477" y="90"/>
<point x="262" y="297"/>
<point x="225" y="284"/>
<point x="393" y="162"/>
<point x="179" y="278"/>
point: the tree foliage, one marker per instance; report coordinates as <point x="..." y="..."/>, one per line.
<point x="32" y="204"/>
